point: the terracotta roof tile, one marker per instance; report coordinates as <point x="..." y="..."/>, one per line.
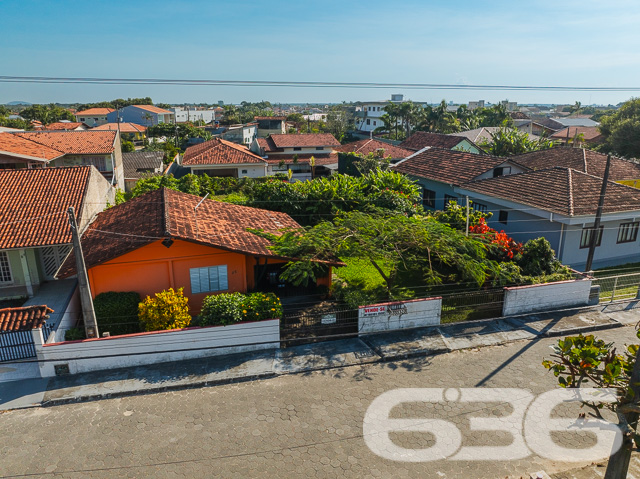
<point x="24" y="318"/>
<point x="63" y="125"/>
<point x="34" y="203"/>
<point x="326" y="159"/>
<point x="13" y="145"/>
<point x="304" y="140"/>
<point x="95" y="112"/>
<point x="422" y="139"/>
<point x="589" y="133"/>
<point x="579" y="159"/>
<point x="74" y="142"/>
<point x="447" y="166"/>
<point x="124" y="127"/>
<point x="168" y="213"/>
<point x="560" y="190"/>
<point x="219" y="152"/>
<point x="280" y="118"/>
<point x="373" y="146"/>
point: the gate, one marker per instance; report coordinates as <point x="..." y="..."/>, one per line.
<point x="16" y="345"/>
<point x="471" y="305"/>
<point x="303" y="327"/>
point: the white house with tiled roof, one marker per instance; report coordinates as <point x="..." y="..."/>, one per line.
<point x="147" y="115"/>
<point x="219" y="157"/>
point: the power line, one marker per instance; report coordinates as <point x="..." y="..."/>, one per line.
<point x="301" y="84"/>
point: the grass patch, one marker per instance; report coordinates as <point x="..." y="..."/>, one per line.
<point x="362" y="272"/>
<point x="233" y="198"/>
<point x="628" y="268"/>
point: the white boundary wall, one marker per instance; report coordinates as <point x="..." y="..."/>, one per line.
<point x="545" y="297"/>
<point x="162" y="346"/>
<point x="399" y="315"/>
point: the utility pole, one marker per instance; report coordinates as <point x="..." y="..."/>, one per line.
<point x="596" y="225"/>
<point x="89" y="315"/>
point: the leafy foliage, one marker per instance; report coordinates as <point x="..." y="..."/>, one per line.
<point x="127" y="146"/>
<point x="538" y="258"/>
<point x="455" y="216"/>
<point x="117" y="312"/>
<point x="511" y="141"/>
<point x="47" y="113"/>
<point x="168" y="309"/>
<point x="74" y="334"/>
<point x="230" y="308"/>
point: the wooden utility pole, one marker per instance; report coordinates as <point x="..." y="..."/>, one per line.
<point x="88" y="313"/>
<point x="596" y="225"/>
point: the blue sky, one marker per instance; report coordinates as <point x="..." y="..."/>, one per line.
<point x="539" y="42"/>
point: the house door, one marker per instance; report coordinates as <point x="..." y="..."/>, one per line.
<point x="51" y="258"/>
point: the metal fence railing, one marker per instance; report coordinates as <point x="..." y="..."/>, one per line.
<point x="16" y="345"/>
<point x="619" y="287"/>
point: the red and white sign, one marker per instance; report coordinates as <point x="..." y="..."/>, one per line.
<point x="374" y="310"/>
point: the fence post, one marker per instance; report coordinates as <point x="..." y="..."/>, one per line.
<point x="638" y="292"/>
<point x="613" y="293"/>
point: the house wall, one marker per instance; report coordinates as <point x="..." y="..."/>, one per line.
<point x="158" y="346"/>
<point x="466" y="145"/>
<point x="441" y="189"/>
<point x="545" y="297"/>
<point x="252" y="170"/>
<point x="17" y="288"/>
<point x="93" y="120"/>
<point x="131" y="114"/>
<point x="153" y="268"/>
<point x="399" y="315"/>
<point x="99" y="192"/>
<point x="609" y="253"/>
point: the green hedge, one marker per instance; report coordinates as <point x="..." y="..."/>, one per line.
<point x="230" y="308"/>
<point x="117" y="313"/>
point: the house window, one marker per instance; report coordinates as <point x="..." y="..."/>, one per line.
<point x="374" y="123"/>
<point x="209" y="279"/>
<point x="448" y="199"/>
<point x="501" y="171"/>
<point x="368" y="121"/>
<point x="81" y="119"/>
<point x="628" y="232"/>
<point x="503" y="217"/>
<point x="585" y="239"/>
<point x="244" y="172"/>
<point x="5" y="268"/>
<point x="297" y="148"/>
<point x="319" y="148"/>
<point x="479" y="207"/>
<point x="98" y="162"/>
<point x="428" y="198"/>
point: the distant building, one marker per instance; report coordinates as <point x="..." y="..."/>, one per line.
<point x="93" y="116"/>
<point x="184" y="115"/>
<point x="271" y="125"/>
<point x="141" y="164"/>
<point x="509" y="105"/>
<point x="367" y="114"/>
<point x="37" y="149"/>
<point x="128" y="131"/>
<point x="422" y="139"/>
<point x="476" y="104"/>
<point x="223" y="158"/>
<point x="147" y="115"/>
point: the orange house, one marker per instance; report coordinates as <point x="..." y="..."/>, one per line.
<point x="167" y="239"/>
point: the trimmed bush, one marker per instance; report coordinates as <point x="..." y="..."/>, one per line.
<point x="117" y="313"/>
<point x="230" y="308"/>
<point x="169" y="309"/>
<point x="74" y="334"/>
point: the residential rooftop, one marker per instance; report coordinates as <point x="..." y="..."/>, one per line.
<point x="74" y="142"/>
<point x="219" y="152"/>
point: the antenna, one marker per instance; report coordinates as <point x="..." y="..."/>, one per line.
<point x="195" y="214"/>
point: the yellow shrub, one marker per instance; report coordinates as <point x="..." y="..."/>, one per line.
<point x="167" y="310"/>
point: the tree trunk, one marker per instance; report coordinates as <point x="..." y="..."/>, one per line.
<point x="387" y="280"/>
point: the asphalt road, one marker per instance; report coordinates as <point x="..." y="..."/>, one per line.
<point x="301" y="425"/>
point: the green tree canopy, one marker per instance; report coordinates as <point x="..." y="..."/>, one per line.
<point x="511" y="141"/>
<point x="621" y="130"/>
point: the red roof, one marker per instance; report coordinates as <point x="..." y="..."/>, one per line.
<point x="219" y="152"/>
<point x="124" y="127"/>
<point x="580" y="159"/>
<point x="279" y="118"/>
<point x="560" y="190"/>
<point x="166" y="213"/>
<point x="373" y="146"/>
<point x="153" y="109"/>
<point x="34" y="203"/>
<point x="14" y="145"/>
<point x="589" y="133"/>
<point x="447" y="166"/>
<point x="95" y="112"/>
<point x="74" y="142"/>
<point x="24" y="318"/>
<point x="63" y="125"/>
<point x="307" y="140"/>
<point x="422" y="139"/>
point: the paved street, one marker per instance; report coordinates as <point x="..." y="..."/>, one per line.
<point x="302" y="425"/>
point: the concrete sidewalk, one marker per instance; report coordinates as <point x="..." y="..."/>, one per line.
<point x="387" y="346"/>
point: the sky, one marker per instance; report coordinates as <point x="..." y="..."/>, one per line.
<point x="479" y="42"/>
